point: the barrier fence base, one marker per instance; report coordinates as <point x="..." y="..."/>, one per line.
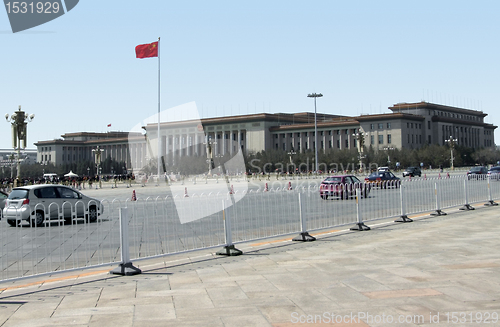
<point x="467" y="207"/>
<point x="438" y="213"/>
<point x="126" y="269"/>
<point x="304" y="237"/>
<point x="229" y="251"/>
<point x="360" y="227"/>
<point x="491" y="203"/>
<point x="403" y="219"/>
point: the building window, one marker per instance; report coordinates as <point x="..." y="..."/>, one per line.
<point x="429" y="139"/>
<point x="381" y="139"/>
<point x="388" y="125"/>
<point x="371" y="126"/>
<point x="380" y="126"/>
<point x="330" y="144"/>
<point x="372" y="139"/>
<point x="338" y="144"/>
<point x="389" y="139"/>
<point x="338" y="131"/>
<point x="428" y="124"/>
<point x="346" y="142"/>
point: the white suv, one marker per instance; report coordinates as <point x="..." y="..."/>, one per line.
<point x="37" y="203"/>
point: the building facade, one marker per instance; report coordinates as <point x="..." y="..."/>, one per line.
<point x="409" y="125"/>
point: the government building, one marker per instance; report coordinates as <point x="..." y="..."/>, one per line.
<point x="409" y="125"/>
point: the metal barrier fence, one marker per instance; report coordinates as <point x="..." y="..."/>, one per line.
<point x="165" y="225"/>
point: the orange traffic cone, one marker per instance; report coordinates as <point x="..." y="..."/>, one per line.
<point x="134" y="198"/>
<point x="186" y="192"/>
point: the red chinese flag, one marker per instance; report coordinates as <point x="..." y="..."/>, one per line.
<point x="109" y="125"/>
<point x="147" y="50"/>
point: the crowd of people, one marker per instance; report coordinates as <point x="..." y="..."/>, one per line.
<point x="81" y="182"/>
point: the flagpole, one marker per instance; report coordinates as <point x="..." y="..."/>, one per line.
<point x="159" y="138"/>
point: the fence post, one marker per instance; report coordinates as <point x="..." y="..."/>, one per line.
<point x="359" y="225"/>
<point x="466" y="206"/>
<point x="126" y="268"/>
<point x="403" y="218"/>
<point x="229" y="248"/>
<point x="490" y="201"/>
<point x="438" y="203"/>
<point x="304" y="235"/>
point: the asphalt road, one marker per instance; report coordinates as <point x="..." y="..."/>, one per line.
<point x="164" y="220"/>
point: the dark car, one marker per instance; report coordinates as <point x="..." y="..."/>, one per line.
<point x="412" y="171"/>
<point x="383" y="179"/>
<point x="478" y="172"/>
<point x="494" y="173"/>
<point x="342" y="187"/>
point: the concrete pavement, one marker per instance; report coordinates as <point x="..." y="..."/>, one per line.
<point x="436" y="271"/>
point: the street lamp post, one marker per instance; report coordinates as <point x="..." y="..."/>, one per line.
<point x="19" y="125"/>
<point x="388" y="156"/>
<point x="451" y="141"/>
<point x="315" y="95"/>
<point x="360" y="137"/>
<point x="210" y="160"/>
<point x="97" y="152"/>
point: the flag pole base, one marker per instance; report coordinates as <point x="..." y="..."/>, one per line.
<point x="304" y="237"/>
<point x="126" y="269"/>
<point x="229" y="250"/>
<point x="491" y="203"/>
<point x="403" y="219"/>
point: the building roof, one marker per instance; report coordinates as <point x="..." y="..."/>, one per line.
<point x="398" y="107"/>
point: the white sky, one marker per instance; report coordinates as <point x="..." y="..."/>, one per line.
<point x="79" y="72"/>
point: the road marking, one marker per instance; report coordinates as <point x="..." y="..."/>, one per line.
<point x="58" y="279"/>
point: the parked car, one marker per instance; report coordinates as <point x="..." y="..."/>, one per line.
<point x="383" y="179"/>
<point x="3" y="197"/>
<point x="343" y="187"/>
<point x="412" y="171"/>
<point x="478" y="172"/>
<point x="494" y="173"/>
<point x="38" y="203"/>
